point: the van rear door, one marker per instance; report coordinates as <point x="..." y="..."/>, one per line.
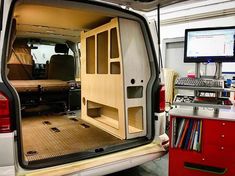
<point x="7" y="159"/>
<point x="144" y="5"/>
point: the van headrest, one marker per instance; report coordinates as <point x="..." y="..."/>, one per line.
<point x="61" y="48"/>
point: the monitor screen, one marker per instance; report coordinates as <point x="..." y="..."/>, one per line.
<point x="210" y="45"/>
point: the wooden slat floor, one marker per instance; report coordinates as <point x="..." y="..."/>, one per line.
<point x="56" y="135"/>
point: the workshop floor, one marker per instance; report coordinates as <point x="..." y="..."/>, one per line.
<point x="157" y="167"/>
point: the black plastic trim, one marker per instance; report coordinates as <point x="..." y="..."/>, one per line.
<point x="79" y="156"/>
<point x="5" y="86"/>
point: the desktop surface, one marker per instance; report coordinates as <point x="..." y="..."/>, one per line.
<point x="222" y="114"/>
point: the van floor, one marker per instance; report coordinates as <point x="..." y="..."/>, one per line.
<point x="48" y="136"/>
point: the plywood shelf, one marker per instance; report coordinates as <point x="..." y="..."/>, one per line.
<point x="134" y="129"/>
<point x="105" y="123"/>
<point x="108" y="121"/>
<point x="94" y="105"/>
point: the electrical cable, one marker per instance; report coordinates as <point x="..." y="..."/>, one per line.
<point x="159" y="38"/>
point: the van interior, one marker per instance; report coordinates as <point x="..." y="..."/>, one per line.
<point x="81" y="72"/>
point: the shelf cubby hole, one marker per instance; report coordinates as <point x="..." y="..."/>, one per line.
<point x="115" y="68"/>
<point x="135" y="119"/>
<point x="90" y="55"/>
<point x="134" y="92"/>
<point x="102" y="113"/>
<point x="114" y="50"/>
<point x="102" y="52"/>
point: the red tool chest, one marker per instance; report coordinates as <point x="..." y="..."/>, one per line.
<point x="217" y="147"/>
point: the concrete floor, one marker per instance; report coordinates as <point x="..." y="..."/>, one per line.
<point x="157" y="167"/>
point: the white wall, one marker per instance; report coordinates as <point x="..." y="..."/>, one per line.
<point x="194" y="14"/>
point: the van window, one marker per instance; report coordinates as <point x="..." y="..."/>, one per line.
<point x="43" y="53"/>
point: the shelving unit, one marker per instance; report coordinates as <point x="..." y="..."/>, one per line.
<point x="199" y="88"/>
<point x="114" y="73"/>
<point x="186" y="134"/>
<point x="216" y="90"/>
<point x="102" y="77"/>
<point x="215" y="106"/>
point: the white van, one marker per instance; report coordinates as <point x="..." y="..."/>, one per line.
<point x="88" y="105"/>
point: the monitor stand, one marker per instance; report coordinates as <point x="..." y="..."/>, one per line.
<point x="218" y="70"/>
<point x="218" y="75"/>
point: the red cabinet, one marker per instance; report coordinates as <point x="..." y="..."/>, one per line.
<point x="217" y="154"/>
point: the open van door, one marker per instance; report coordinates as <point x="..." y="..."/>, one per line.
<point x="144" y="5"/>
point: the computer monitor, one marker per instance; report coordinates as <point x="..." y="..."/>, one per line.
<point x="210" y="45"/>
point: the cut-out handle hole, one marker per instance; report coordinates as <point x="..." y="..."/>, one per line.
<point x="132" y="81"/>
<point x="83" y="100"/>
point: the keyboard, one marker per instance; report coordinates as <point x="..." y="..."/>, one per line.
<point x="199" y="82"/>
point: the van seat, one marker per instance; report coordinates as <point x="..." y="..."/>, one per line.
<point x="62" y="66"/>
<point x="20" y="64"/>
<point x="40" y="85"/>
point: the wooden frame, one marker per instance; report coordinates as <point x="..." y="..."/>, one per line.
<point x="103" y="91"/>
<point x="113" y="83"/>
<point x="136" y="70"/>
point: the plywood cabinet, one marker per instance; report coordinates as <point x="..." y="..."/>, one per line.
<point x="114" y="78"/>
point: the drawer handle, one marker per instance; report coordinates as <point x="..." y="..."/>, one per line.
<point x="205" y="168"/>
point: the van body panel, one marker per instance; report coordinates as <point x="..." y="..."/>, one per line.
<point x="7" y="149"/>
<point x="7" y="171"/>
